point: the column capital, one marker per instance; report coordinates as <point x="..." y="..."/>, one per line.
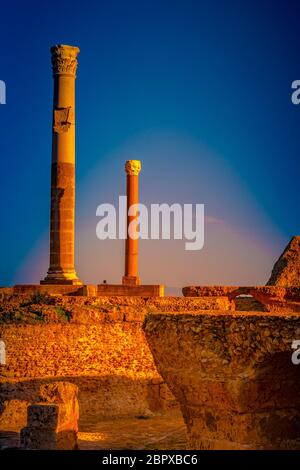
<point x="64" y="59"/>
<point x="133" y="167"/>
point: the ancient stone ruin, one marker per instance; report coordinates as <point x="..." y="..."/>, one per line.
<point x="62" y="213"/>
<point x="52" y="422"/>
<point x="222" y="354"/>
<point x="61" y="276"/>
<point x="231" y="371"/>
<point x="286" y="271"/>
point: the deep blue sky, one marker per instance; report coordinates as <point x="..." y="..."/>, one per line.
<point x="218" y="72"/>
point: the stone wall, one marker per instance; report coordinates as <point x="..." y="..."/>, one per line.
<point x="96" y="343"/>
<point x="232" y="374"/>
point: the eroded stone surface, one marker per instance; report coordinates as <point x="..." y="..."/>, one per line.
<point x="232" y="375"/>
<point x="286" y="270"/>
<point x="96" y="343"/>
<point x="52" y="422"/>
<point x="279" y="299"/>
<point x="44" y="439"/>
<point x="156" y="431"/>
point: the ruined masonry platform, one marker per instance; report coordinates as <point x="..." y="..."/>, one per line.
<point x="89" y="290"/>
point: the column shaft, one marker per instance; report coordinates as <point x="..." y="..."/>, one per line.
<point x="62" y="214"/>
<point x="131" y="277"/>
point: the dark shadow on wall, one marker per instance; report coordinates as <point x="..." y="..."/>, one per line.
<point x="100" y="398"/>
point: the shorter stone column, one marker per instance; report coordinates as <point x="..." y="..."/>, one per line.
<point x="132" y="168"/>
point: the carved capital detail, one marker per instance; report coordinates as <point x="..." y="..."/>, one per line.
<point x="133" y="167"/>
<point x="64" y="59"/>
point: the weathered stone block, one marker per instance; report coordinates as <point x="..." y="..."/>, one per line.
<point x="45" y="439"/>
<point x="65" y="395"/>
<point x="279" y="299"/>
<point x="286" y="270"/>
<point x="130" y="290"/>
<point x="53" y="422"/>
<point x="43" y="416"/>
<point x="232" y="374"/>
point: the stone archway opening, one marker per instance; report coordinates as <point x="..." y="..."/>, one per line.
<point x="247" y="303"/>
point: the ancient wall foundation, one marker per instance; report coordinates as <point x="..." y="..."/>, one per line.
<point x="233" y="376"/>
<point x="96" y="343"/>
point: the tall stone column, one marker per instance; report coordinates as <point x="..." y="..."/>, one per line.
<point x="132" y="168"/>
<point x="61" y="270"/>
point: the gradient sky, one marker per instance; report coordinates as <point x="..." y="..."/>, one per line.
<point x="199" y="91"/>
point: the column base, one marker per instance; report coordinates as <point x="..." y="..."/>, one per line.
<point x="56" y="289"/>
<point x="69" y="279"/>
<point x="131" y="280"/>
<point x="142" y="290"/>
